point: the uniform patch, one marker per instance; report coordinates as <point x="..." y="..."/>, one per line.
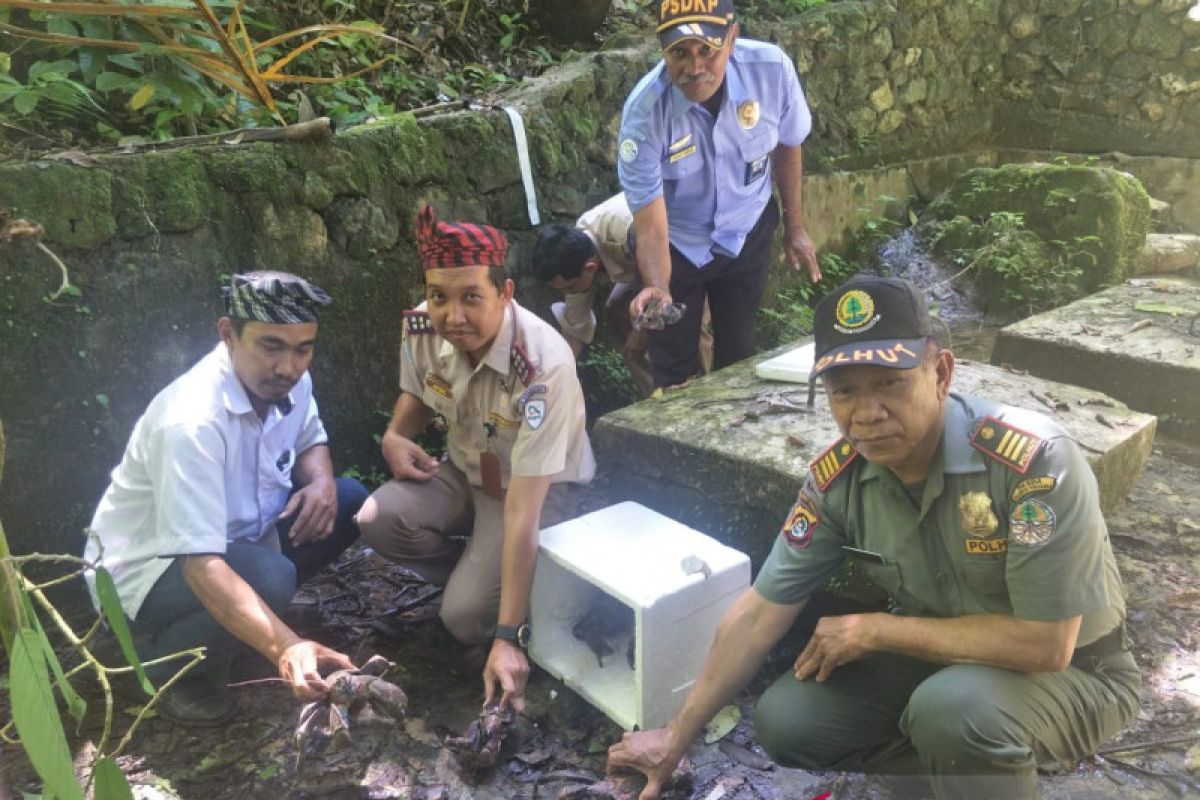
<point x="975" y="509"/>
<point x="439" y="386"/>
<point x="985" y="547"/>
<point x="498" y="421"/>
<point x="1032" y="523"/>
<point x="1011" y="446"/>
<point x="519" y="404"/>
<point x="831" y="463"/>
<point x="284" y="461"/>
<point x="417" y="323"/>
<point x="535" y="412"/>
<point x="748" y="114"/>
<point x="629" y="151"/>
<point x="1033" y="486"/>
<point x="855" y="312"/>
<point x="522" y="364"/>
<point x="684" y="153"/>
<point x="801" y="523"/>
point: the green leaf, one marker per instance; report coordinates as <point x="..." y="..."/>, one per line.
<point x="76" y="705"/>
<point x="110" y="782"/>
<point x="1164" y="308"/>
<point x="720" y="725"/>
<point x="130" y="61"/>
<point x="5" y="63"/>
<point x="36" y="717"/>
<point x="110" y="604"/>
<point x="112" y="81"/>
<point x="25" y="103"/>
<point x="142" y="96"/>
<point x="268" y="772"/>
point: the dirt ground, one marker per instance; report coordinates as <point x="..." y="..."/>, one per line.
<point x="365" y="606"/>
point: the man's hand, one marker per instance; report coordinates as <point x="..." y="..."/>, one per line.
<point x="652" y="753"/>
<point x="300" y="665"/>
<point x="836" y="641"/>
<point x="800" y="252"/>
<point x="643" y="298"/>
<point x="508" y="667"/>
<point x="406" y="458"/>
<point x="315" y="509"/>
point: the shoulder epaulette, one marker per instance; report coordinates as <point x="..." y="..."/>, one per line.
<point x="832" y="462"/>
<point x="522" y="364"/>
<point x="1012" y="447"/>
<point x="417" y="323"/>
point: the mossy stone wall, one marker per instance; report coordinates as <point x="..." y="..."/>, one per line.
<point x="149" y="237"/>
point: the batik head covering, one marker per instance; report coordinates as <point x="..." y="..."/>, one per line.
<point x="274" y="297"/>
<point x="458" y="244"/>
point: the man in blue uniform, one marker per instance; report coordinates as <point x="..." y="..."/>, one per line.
<point x="701" y="138"/>
<point x="1005" y="647"/>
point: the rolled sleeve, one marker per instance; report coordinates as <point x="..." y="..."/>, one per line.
<point x="189" y="491"/>
<point x="1064" y="575"/>
<point x="639" y="152"/>
<point x="578" y="320"/>
<point x="801" y="561"/>
<point x="543" y="450"/>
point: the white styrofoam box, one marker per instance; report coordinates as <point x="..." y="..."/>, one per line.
<point x="637" y="556"/>
<point x="792" y="366"/>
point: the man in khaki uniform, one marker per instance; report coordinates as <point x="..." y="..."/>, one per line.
<point x="505" y="383"/>
<point x="1006" y="644"/>
<point x="570" y="259"/>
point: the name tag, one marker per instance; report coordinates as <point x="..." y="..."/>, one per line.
<point x="863" y="555"/>
<point x="756" y="169"/>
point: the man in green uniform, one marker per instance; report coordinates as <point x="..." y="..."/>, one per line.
<point x="1006" y="644"/>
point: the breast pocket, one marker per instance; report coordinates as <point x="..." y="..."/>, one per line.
<point x="440" y="405"/>
<point x="756" y="155"/>
<point x="682" y="176"/>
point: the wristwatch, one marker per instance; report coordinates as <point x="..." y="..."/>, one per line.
<point x="517" y="634"/>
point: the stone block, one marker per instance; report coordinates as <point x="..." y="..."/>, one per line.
<point x="1157" y="35"/>
<point x="1168" y="252"/>
<point x="74" y="204"/>
<point x="674" y="582"/>
<point x="695" y="456"/>
<point x="1131" y="342"/>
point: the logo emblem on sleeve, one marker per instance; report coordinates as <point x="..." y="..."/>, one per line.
<point x="1033" y="486"/>
<point x="801" y="523"/>
<point x="535" y="412"/>
<point x="1032" y="523"/>
<point x="629" y="150"/>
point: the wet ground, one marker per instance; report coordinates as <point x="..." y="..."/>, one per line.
<point x="365" y="606"/>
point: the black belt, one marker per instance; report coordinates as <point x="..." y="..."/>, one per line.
<point x="1112" y="642"/>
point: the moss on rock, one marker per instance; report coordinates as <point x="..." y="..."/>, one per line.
<point x="75" y="204"/>
<point x="166" y="192"/>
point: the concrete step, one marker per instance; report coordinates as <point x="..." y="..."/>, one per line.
<point x="697" y="457"/>
<point x="1168" y="252"/>
<point x="1160" y="211"/>
<point x="1138" y="342"/>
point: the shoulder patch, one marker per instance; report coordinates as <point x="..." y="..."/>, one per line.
<point x="832" y="462"/>
<point x="1012" y="447"/>
<point x="417" y="323"/>
<point x="523" y="365"/>
<point x="801" y="523"/>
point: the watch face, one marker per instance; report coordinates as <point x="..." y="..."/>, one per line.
<point x="523" y="633"/>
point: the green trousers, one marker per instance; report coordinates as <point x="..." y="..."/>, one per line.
<point x="977" y="732"/>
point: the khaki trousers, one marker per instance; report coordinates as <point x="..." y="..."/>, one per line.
<point x="977" y="732"/>
<point x="421" y="525"/>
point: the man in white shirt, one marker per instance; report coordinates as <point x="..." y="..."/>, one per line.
<point x="225" y="497"/>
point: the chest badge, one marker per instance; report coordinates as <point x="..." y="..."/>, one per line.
<point x="284" y="461"/>
<point x="748" y="114"/>
<point x="975" y="508"/>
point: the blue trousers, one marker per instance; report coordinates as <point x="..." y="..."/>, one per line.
<point x="172" y="618"/>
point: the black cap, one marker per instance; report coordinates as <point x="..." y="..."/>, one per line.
<point x="879" y="322"/>
<point x="704" y="20"/>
